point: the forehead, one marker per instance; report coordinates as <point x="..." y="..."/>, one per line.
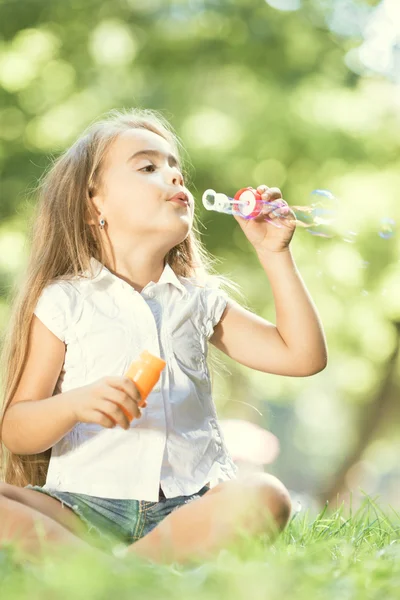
<point x="134" y="140"/>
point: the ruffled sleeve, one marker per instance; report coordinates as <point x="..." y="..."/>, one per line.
<point x="53" y="309"/>
<point x="214" y="302"/>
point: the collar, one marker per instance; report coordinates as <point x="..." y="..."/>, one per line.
<point x="167" y="276"/>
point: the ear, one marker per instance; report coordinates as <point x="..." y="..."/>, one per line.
<point x="94" y="210"/>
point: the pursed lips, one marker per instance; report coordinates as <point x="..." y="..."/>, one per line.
<point x="181" y="199"/>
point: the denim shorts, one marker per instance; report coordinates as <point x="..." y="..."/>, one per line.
<point x="112" y="521"/>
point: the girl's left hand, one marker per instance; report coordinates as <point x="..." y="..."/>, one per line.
<point x="273" y="237"/>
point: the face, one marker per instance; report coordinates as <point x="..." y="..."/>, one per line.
<point x="139" y="176"/>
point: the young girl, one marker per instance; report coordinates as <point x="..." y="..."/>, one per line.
<point x="117" y="268"/>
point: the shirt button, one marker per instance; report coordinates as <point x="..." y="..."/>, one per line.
<point x="150" y="294"/>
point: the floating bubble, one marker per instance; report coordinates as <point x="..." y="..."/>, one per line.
<point x="322" y="196"/>
<point x="321" y="230"/>
<point x="319" y="218"/>
<point x="324" y="205"/>
<point x="387" y="228"/>
<point x="303" y="215"/>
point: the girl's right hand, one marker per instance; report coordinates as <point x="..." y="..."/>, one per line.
<point x="110" y="401"/>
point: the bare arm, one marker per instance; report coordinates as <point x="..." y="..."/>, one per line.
<point x="33" y="427"/>
<point x="36" y="420"/>
<point x="296" y="345"/>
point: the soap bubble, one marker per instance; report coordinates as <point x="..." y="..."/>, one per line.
<point x="323" y="198"/>
<point x="387" y="228"/>
<point x="324" y="205"/>
<point x="304" y="215"/>
<point x="320" y="215"/>
<point x="321" y="230"/>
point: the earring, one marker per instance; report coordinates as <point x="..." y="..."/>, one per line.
<point x="102" y="223"/>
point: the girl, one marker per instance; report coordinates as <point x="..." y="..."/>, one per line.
<point x="115" y="268"/>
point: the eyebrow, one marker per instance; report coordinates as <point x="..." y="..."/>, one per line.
<point x="156" y="153"/>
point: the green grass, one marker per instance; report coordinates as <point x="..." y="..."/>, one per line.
<point x="338" y="555"/>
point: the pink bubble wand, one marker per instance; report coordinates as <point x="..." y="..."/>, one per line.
<point x="247" y="203"/>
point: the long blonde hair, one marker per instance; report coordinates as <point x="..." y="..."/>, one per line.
<point x="61" y="245"/>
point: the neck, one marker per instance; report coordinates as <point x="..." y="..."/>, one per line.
<point x="137" y="268"/>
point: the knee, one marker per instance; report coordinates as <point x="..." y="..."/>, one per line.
<point x="273" y="495"/>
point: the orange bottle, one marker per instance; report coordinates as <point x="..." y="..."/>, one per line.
<point x="145" y="372"/>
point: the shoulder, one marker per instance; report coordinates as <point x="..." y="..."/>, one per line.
<point x="56" y="291"/>
<point x="53" y="308"/>
<point x="62" y="290"/>
<point x="203" y="285"/>
<point x="59" y="296"/>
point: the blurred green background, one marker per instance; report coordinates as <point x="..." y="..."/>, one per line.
<point x="291" y="93"/>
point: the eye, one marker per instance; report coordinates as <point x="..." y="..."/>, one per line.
<point x="151" y="167"/>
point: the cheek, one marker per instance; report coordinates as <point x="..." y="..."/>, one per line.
<point x="124" y="195"/>
<point x="117" y="188"/>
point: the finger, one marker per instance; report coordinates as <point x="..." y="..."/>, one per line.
<point x="137" y="413"/>
<point x="125" y="384"/>
<point x="119" y="413"/>
<point x="272" y="194"/>
<point x="133" y="389"/>
<point x="104" y="420"/>
<point x="275" y="193"/>
<point x="288" y="217"/>
<point x="262" y="188"/>
<point x="121" y="396"/>
<point x="272" y="206"/>
<point x="282" y="211"/>
<point x="274" y="222"/>
<point x="134" y="412"/>
<point x="279" y="207"/>
<point x="273" y="219"/>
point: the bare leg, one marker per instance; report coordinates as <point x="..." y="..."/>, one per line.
<point x="32" y="531"/>
<point x="256" y="504"/>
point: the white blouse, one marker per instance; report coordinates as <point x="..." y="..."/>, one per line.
<point x="105" y="324"/>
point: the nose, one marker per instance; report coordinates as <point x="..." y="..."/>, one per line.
<point x="174" y="176"/>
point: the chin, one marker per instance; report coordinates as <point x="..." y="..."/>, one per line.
<point x="180" y="237"/>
